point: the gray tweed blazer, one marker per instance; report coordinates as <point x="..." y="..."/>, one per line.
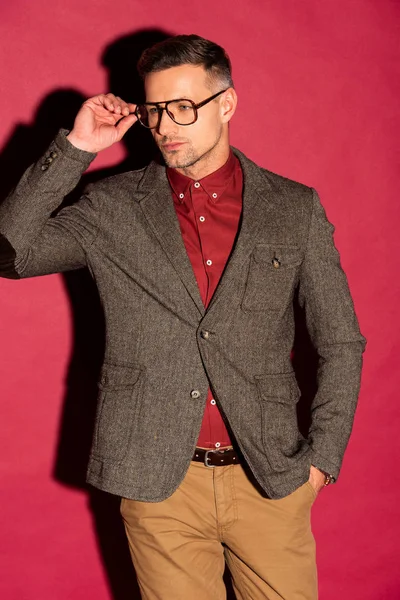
<point x="163" y="349"/>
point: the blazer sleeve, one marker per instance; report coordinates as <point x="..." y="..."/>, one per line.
<point x="32" y="242"/>
<point x="335" y="333"/>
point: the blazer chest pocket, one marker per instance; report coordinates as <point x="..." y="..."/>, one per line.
<point x="281" y="437"/>
<point x="119" y="395"/>
<point x="272" y="277"/>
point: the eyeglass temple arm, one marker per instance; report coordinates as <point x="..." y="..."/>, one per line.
<point x="207" y="100"/>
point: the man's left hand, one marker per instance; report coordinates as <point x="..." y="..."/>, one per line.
<point x="316" y="479"/>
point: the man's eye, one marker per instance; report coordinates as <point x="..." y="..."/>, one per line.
<point x="183" y="107"/>
<point x="152" y="110"/>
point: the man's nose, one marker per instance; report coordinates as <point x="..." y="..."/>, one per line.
<point x="166" y="125"/>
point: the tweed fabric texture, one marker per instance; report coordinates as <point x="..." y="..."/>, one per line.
<point x="163" y="349"/>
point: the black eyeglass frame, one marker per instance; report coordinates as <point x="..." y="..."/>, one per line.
<point x="166" y="102"/>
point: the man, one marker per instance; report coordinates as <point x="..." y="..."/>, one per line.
<point x="198" y="264"/>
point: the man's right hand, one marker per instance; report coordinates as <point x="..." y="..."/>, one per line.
<point x="101" y="121"/>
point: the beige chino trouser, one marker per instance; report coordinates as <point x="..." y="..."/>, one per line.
<point x="179" y="546"/>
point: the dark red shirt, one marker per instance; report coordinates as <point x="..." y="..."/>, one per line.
<point x="208" y="211"/>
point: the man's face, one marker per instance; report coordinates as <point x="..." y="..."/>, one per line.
<point x="184" y="146"/>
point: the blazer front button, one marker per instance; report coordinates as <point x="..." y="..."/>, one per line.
<point x="205" y="334"/>
<point x="195" y="394"/>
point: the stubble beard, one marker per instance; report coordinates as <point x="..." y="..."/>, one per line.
<point x="175" y="160"/>
<point x="189" y="157"/>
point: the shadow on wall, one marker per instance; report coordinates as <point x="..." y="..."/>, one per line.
<point x="25" y="145"/>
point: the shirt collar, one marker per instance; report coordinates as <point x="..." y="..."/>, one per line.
<point x="214" y="184"/>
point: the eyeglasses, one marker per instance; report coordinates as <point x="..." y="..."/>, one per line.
<point x="182" y="111"/>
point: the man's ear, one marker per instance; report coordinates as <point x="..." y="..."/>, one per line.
<point x="228" y="105"/>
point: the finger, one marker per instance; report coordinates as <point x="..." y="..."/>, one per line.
<point x="123" y="105"/>
<point x="127" y="107"/>
<point x="117" y="106"/>
<point x="124" y="124"/>
<point x="108" y="101"/>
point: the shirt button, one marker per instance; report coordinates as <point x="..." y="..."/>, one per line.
<point x="195" y="394"/>
<point x="209" y="262"/>
<point x="181" y="196"/>
<point x="215" y="195"/>
<point x="202" y="219"/>
<point x="217" y="444"/>
<point x="197" y="185"/>
<point x="213" y="402"/>
<point x="205" y="334"/>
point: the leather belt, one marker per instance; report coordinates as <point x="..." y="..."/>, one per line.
<point x="216" y="458"/>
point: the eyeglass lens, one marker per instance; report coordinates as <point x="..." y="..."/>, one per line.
<point x="180" y="111"/>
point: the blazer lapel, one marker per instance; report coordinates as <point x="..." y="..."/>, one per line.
<point x="257" y="203"/>
<point x="158" y="208"/>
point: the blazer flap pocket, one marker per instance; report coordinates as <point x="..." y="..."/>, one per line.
<point x="119" y="375"/>
<point x="278" y="255"/>
<point x="278" y="387"/>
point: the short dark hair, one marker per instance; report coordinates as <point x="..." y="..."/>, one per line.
<point x="188" y="50"/>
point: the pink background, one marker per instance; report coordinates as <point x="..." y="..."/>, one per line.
<point x="318" y="86"/>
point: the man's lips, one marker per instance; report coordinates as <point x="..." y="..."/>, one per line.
<point x="172" y="146"/>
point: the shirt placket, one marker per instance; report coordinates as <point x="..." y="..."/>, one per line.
<point x="199" y="197"/>
<point x="202" y="217"/>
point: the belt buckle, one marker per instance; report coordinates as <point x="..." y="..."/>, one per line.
<point x="206" y="459"/>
